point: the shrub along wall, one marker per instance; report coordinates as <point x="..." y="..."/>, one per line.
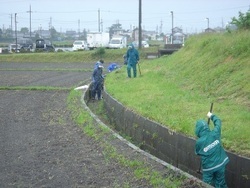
<point x="172" y="147"/>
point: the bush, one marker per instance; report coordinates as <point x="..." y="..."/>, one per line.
<point x="59" y="50"/>
<point x="99" y="53"/>
<point x="243" y="22"/>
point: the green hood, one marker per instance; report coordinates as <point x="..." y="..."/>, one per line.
<point x="131" y="46"/>
<point x="201" y="128"/>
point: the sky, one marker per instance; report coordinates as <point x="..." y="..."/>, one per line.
<point x="193" y="16"/>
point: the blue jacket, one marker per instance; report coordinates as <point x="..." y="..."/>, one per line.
<point x="112" y="67"/>
<point x="97" y="75"/>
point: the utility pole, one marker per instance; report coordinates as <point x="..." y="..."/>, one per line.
<point x="99" y="20"/>
<point x="140" y="30"/>
<point x="50" y="23"/>
<point x="161" y="27"/>
<point x="78" y="28"/>
<point x="172" y="13"/>
<point x="30" y="19"/>
<point x="11" y="27"/>
<point x="207" y="22"/>
<point x="101" y="25"/>
<point x="16" y="31"/>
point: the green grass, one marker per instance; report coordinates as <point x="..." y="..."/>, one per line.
<point x="110" y="55"/>
<point x="177" y="90"/>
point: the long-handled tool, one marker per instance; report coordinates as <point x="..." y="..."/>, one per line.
<point x="208" y="121"/>
<point x="211" y="109"/>
<point x="139" y="68"/>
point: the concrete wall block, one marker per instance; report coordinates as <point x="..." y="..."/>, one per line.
<point x="166" y="158"/>
<point x="118" y="112"/>
<point x="244" y="172"/>
<point x="149" y="149"/>
<point x="186" y="158"/>
<point x="167" y="135"/>
<point x="186" y="143"/>
<point x="128" y="121"/>
<point x="169" y="152"/>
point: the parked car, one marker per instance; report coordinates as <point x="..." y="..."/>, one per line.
<point x="45" y="45"/>
<point x="80" y="45"/>
<point x="13" y="47"/>
<point x="26" y="44"/>
<point x="144" y="44"/>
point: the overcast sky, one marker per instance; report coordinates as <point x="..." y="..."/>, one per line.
<point x="66" y="15"/>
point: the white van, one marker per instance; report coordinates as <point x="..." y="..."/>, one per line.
<point x="80" y="45"/>
<point x="118" y="42"/>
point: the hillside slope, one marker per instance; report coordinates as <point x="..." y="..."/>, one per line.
<point x="177" y="90"/>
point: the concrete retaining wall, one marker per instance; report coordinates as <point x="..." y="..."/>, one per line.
<point x="174" y="148"/>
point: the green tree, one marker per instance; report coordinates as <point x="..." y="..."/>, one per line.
<point x="84" y="34"/>
<point x="1" y="34"/>
<point x="24" y="30"/>
<point x="115" y="28"/>
<point x="37" y="36"/>
<point x="53" y="33"/>
<point x="9" y="33"/>
<point x="243" y="22"/>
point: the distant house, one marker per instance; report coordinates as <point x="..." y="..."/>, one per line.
<point x="177" y="38"/>
<point x="150" y="35"/>
<point x="177" y="30"/>
<point x="27" y="35"/>
<point x="135" y="34"/>
<point x="209" y="30"/>
<point x="43" y="33"/>
<point x="71" y="34"/>
<point x="219" y="29"/>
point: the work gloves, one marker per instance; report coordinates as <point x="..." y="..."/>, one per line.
<point x="209" y="114"/>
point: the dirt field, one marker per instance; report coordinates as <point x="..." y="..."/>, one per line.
<point x="41" y="146"/>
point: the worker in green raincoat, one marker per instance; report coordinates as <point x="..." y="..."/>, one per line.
<point x="213" y="155"/>
<point x="132" y="60"/>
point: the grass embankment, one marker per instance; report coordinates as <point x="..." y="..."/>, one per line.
<point x="177" y="90"/>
